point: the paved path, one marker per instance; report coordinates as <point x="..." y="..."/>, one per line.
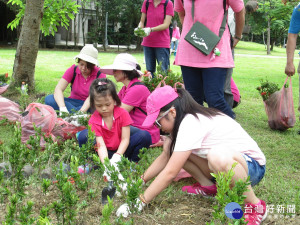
<point x="260" y="56"/>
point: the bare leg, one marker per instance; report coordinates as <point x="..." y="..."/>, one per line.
<point x="197" y="173"/>
<point x="222" y="161"/>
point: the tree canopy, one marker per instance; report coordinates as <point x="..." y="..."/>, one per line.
<point x="55" y="13"/>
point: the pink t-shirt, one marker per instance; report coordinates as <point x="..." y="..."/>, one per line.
<point x="155" y="17"/>
<point x="210" y="13"/>
<point x="112" y="138"/>
<point x="137" y="96"/>
<point x="81" y="86"/>
<point x="221" y="133"/>
<point x="176" y="33"/>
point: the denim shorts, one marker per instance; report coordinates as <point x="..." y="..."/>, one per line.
<point x="255" y="171"/>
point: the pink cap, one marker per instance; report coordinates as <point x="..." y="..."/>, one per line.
<point x="159" y="98"/>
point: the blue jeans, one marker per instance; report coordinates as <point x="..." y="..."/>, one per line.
<point x="161" y="55"/>
<point x="138" y="139"/>
<point x="71" y="104"/>
<point x="255" y="171"/>
<point x="207" y="84"/>
<point x="174" y="44"/>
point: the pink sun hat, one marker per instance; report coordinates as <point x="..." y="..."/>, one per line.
<point x="123" y="61"/>
<point x="159" y="98"/>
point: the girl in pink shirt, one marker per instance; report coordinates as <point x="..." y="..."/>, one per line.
<point x="175" y="38"/>
<point x="111" y="124"/>
<point x="202" y="141"/>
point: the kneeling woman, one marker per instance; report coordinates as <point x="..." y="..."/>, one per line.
<point x="80" y="78"/>
<point x="204" y="141"/>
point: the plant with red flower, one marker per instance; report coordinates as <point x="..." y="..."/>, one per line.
<point x="4" y="78"/>
<point x="267" y="88"/>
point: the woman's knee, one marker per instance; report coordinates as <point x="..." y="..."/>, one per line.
<point x="49" y="100"/>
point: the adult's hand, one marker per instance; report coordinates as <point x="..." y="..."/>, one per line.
<point x="147" y="31"/>
<point x="290" y="69"/>
<point x="63" y="110"/>
<point x="135" y="31"/>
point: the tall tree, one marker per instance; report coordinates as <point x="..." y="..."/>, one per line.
<point x="36" y="14"/>
<point x="28" y="44"/>
<point x="272" y="16"/>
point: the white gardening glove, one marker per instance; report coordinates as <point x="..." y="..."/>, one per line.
<point x="124" y="210"/>
<point x="115" y="159"/>
<point x="63" y="110"/>
<point x="147" y="31"/>
<point x="135" y="31"/>
<point x="74" y="120"/>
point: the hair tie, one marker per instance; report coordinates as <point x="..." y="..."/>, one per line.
<point x="101" y="83"/>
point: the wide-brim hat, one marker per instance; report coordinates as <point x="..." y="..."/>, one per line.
<point x="89" y="54"/>
<point x="123" y="61"/>
<point x="159" y="98"/>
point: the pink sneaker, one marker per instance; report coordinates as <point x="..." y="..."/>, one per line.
<point x="255" y="213"/>
<point x="197" y="189"/>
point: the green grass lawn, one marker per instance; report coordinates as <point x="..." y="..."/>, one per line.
<point x="280" y="185"/>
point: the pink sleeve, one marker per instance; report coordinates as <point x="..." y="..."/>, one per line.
<point x="68" y="75"/>
<point x="178" y="6"/>
<point x="236" y="5"/>
<point x="121" y="93"/>
<point x="126" y="119"/>
<point x="169" y="9"/>
<point x="136" y="95"/>
<point x="143" y="10"/>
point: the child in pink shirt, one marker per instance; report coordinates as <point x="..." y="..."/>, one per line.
<point x="111" y="124"/>
<point x="202" y="141"/>
<point x="175" y="38"/>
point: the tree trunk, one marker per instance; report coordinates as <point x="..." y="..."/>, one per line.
<point x="28" y="45"/>
<point x="83" y="18"/>
<point x="269" y="37"/>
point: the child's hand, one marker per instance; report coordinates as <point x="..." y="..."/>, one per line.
<point x="124" y="210"/>
<point x="115" y="159"/>
<point x="106" y="177"/>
